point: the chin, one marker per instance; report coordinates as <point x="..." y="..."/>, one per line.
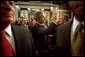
<point x="7" y="20"/>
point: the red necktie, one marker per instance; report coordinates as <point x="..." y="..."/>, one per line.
<point x="5" y="47"/>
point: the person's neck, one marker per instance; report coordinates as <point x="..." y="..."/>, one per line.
<point x="79" y="19"/>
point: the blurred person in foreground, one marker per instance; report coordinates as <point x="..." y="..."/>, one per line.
<point x="70" y="35"/>
<point x="15" y="40"/>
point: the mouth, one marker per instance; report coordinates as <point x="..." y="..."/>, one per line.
<point x="79" y="6"/>
<point x="7" y="14"/>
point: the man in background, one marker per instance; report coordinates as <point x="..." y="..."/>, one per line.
<point x="39" y="34"/>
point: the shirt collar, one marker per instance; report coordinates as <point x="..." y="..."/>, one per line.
<point x="75" y="23"/>
<point x="73" y="28"/>
<point x="8" y="30"/>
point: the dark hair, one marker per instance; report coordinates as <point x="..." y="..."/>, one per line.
<point x="37" y="14"/>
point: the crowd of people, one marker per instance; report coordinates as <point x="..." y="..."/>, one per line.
<point x="25" y="37"/>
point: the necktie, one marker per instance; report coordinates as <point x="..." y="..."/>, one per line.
<point x="5" y="47"/>
<point x="78" y="42"/>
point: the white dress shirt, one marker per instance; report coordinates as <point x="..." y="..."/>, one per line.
<point x="10" y="37"/>
<point x="73" y="28"/>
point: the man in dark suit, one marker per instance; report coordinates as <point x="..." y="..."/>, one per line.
<point x="39" y="34"/>
<point x="51" y="29"/>
<point x="15" y="40"/>
<point x="65" y="32"/>
<point x="51" y="33"/>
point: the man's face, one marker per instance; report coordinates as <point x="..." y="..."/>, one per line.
<point x="78" y="9"/>
<point x="53" y="16"/>
<point x="41" y="18"/>
<point x="7" y="12"/>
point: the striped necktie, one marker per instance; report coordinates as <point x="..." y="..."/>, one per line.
<point x="5" y="47"/>
<point x="78" y="42"/>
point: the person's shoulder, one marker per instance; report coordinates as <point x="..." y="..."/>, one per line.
<point x="36" y="26"/>
<point x="20" y="28"/>
<point x="65" y="25"/>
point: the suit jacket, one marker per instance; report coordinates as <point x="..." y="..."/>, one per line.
<point x="63" y="39"/>
<point x="39" y="36"/>
<point x="24" y="44"/>
<point x="51" y="30"/>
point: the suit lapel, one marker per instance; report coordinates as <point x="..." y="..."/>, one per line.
<point x="63" y="37"/>
<point x="67" y="36"/>
<point x="16" y="38"/>
<point x="68" y="33"/>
